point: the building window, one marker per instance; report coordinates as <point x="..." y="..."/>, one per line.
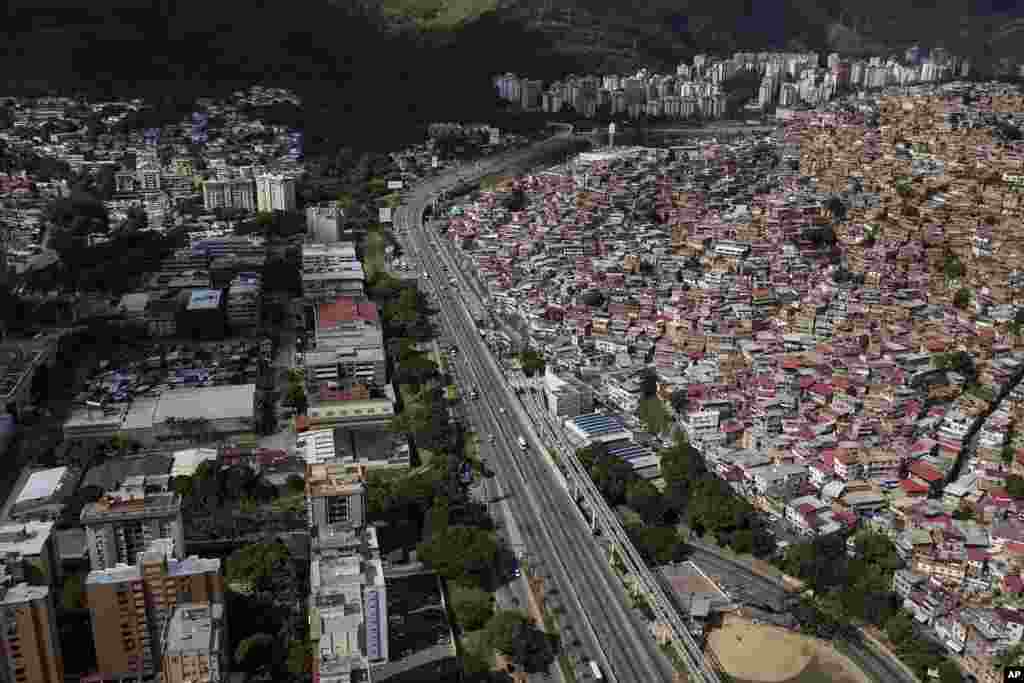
<point x="338" y="510"/>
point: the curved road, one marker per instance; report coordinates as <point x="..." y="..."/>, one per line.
<point x="560" y="545"/>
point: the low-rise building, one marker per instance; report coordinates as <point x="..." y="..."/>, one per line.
<point x="195" y="644"/>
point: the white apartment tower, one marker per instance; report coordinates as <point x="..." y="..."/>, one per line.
<point x="275" y="193"/>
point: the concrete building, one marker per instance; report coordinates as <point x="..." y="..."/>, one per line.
<point x="567" y="397"/>
<point x="179" y="416"/>
<point x="43" y="495"/>
<point x="323" y="222"/>
<point x="29" y="552"/>
<point x="122" y="524"/>
<point x="129" y="606"/>
<point x="330" y="271"/>
<point x="195" y="645"/>
<point x="348" y="615"/>
<point x="335" y="496"/>
<point x="354" y="409"/>
<point x="275" y="193"/>
<point x="347" y="367"/>
<point x="219" y="410"/>
<point x="29" y="636"/>
<point x="347" y="323"/>
<point x="245" y="298"/>
<point x="237" y="193"/>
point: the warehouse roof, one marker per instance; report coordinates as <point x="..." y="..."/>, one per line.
<point x="210" y="403"/>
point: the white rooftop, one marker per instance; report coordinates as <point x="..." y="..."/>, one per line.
<point x="187" y="461"/>
<point x="211" y="403"/>
<point x="41" y="485"/>
<point x="24" y="538"/>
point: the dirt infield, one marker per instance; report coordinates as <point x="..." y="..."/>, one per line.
<point x="755" y="653"/>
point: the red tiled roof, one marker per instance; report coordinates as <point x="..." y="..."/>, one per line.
<point x="976" y="555"/>
<point x="925" y="471"/>
<point x="346" y="309"/>
<point x="911" y="487"/>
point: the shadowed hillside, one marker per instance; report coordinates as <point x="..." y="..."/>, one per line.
<point x="368" y="77"/>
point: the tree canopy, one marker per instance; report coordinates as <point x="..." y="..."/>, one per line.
<point x="510" y="633"/>
<point x="653" y="415"/>
<point x="473" y="607"/>
<point x="460" y="553"/>
<point x="258" y="564"/>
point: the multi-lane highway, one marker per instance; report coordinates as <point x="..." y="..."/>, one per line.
<point x="558" y="544"/>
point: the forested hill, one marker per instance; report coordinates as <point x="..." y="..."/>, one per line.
<point x="368" y="69"/>
<point x="361" y="82"/>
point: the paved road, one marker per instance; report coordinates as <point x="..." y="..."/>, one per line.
<point x="559" y="544"/>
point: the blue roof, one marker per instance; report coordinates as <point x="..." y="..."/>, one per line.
<point x="630" y="452"/>
<point x="598" y="425"/>
<point x="374" y="638"/>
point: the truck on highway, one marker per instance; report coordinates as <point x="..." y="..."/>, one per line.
<point x="522" y="443"/>
<point x="595" y="669"/>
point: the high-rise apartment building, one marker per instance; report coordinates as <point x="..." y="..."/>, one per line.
<point x="335" y="497"/>
<point x="28" y="636"/>
<point x="275" y="193"/>
<point x="195" y="645"/>
<point x="130" y="605"/>
<point x="235" y="193"/>
<point x="122" y="524"/>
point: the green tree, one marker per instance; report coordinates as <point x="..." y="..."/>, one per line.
<point x="296" y="484"/>
<point x="949" y="672"/>
<point x="296" y="397"/>
<point x="255" y="653"/>
<point x="952" y="267"/>
<point x="1015" y="486"/>
<point x="460" y="553"/>
<point x="962" y="298"/>
<point x="532" y="362"/>
<point x="899" y="629"/>
<point x="510" y="633"/>
<point x="612" y="476"/>
<point x="645" y="498"/>
<point x="258" y="564"/>
<point x="300" y="657"/>
<point x="679" y="400"/>
<point x="659" y="543"/>
<point x="473" y="607"/>
<point x="653" y="415"/>
<point x="743" y="541"/>
<point x="73" y="592"/>
<point x="504" y="628"/>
